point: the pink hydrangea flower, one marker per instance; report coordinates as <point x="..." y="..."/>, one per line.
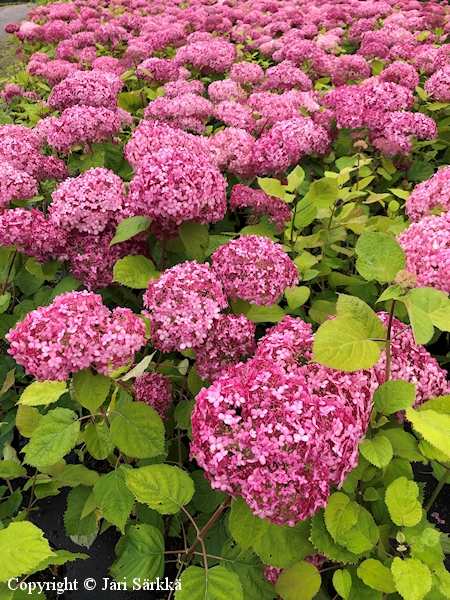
<point x="438" y="85"/>
<point x="230" y="149"/>
<point x="155" y="390"/>
<point x="15" y="185"/>
<point x="246" y="73"/>
<point x="432" y="194"/>
<point x="254" y="268"/>
<point x="182" y="306"/>
<point x="87" y="88"/>
<point x="261" y="204"/>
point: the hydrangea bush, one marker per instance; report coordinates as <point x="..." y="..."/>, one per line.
<point x="224" y="271"/>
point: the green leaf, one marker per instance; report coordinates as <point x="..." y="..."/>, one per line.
<point x="54" y="436"/>
<point x="297" y="297"/>
<point x="135" y="271"/>
<point x="141" y="555"/>
<point x="265" y="314"/>
<point x="246" y="528"/>
<point x="217" y="583"/>
<point x="282" y="546"/>
<point x="403" y="444"/>
<point x="114" y="498"/>
<point x="129" y="101"/>
<point x="164" y="488"/>
<point x="138" y="431"/>
<point x="434" y="303"/>
<point x="261" y="230"/>
<point x="74" y="521"/>
<point x="323" y="542"/>
<point x="343" y="344"/>
<point x="73" y="475"/>
<point x="45" y="272"/>
<point x="378" y="450"/>
<point x="27" y="419"/>
<point x="60" y="557"/>
<point x="321" y="309"/>
<point x="195" y="239"/>
<point x="340" y="514"/>
<point x="295" y="179"/>
<point x="205" y="498"/>
<point x="91" y="389"/>
<point x="380" y="256"/>
<point x="9" y="469"/>
<point x="324" y="192"/>
<point x="23" y="548"/>
<point x="42" y="393"/>
<point x="421" y="324"/>
<point x="5" y="300"/>
<point x="128" y="228"/>
<point x="249" y="569"/>
<point x="273" y="187"/>
<point x="98" y="441"/>
<point x="355" y="308"/>
<point x="301" y="581"/>
<point x="391" y="293"/>
<point x="441" y="405"/>
<point x="412" y="578"/>
<point x="376" y="575"/>
<point x="434" y="427"/>
<point x="363" y="535"/>
<point x="342" y="582"/>
<point x="420" y="170"/>
<point x="67" y="284"/>
<point x="394" y="395"/>
<point x="401" y="500"/>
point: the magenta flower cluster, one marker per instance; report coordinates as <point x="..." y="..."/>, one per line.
<point x="155" y="390"/>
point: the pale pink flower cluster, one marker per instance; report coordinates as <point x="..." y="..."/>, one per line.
<point x="229" y="340"/>
<point x="226" y="90"/>
<point x="182" y="306"/>
<point x="178" y="185"/>
<point x="254" y="268"/>
<point x="246" y="73"/>
<point x="155" y="390"/>
<point x="75" y="332"/>
<point x="213" y="56"/>
<point x="261" y="204"/>
<point x="432" y="194"/>
<point x="187" y="111"/>
<point x="230" y="149"/>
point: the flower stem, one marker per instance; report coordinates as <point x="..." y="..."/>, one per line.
<point x="438" y="488"/>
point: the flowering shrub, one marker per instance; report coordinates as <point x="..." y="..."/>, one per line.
<point x="224" y="271"/>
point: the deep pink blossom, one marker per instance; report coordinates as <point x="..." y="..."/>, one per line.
<point x="155" y="390"/>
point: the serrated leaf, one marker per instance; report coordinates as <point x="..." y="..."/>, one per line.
<point x="401" y="501"/>
<point x="376" y="575"/>
<point x="54" y="436"/>
<point x="205" y="499"/>
<point x="380" y="256"/>
<point x="134" y="271"/>
<point x="378" y="450"/>
<point x="128" y="228"/>
<point x="391" y="293"/>
<point x="91" y="389"/>
<point x="265" y="314"/>
<point x="164" y="488"/>
<point x="343" y="344"/>
<point x="323" y="192"/>
<point x="246" y="528"/>
<point x="295" y="179"/>
<point x="282" y="546"/>
<point x="434" y="427"/>
<point x="421" y="324"/>
<point x="412" y="578"/>
<point x="5" y="300"/>
<point x="434" y="303"/>
<point x="23" y="548"/>
<point x="98" y="441"/>
<point x="297" y="297"/>
<point x="27" y="419"/>
<point x="393" y="396"/>
<point x="301" y="581"/>
<point x="357" y="309"/>
<point x="403" y="444"/>
<point x="141" y="555"/>
<point x="73" y="475"/>
<point x="249" y="569"/>
<point x="60" y="557"/>
<point x="363" y="535"/>
<point x="195" y="238"/>
<point x="323" y="542"/>
<point x="138" y="431"/>
<point x="42" y="393"/>
<point x="74" y="523"/>
<point x="342" y="582"/>
<point x="340" y="514"/>
<point x="9" y="469"/>
<point x="114" y="498"/>
<point x="217" y="583"/>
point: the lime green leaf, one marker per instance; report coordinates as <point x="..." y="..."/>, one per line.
<point x="128" y="228"/>
<point x="282" y="546"/>
<point x="54" y="436"/>
<point x="321" y="309"/>
<point x="195" y="239"/>
<point x="342" y="581"/>
<point x="297" y="297"/>
<point x="393" y="396"/>
<point x="412" y="578"/>
<point x="380" y="256"/>
<point x="217" y="583"/>
<point x="272" y="187"/>
<point x="434" y="303"/>
<point x="265" y="314"/>
<point x="324" y="192"/>
<point x="5" y="300"/>
<point x="323" y="542"/>
<point x="376" y="575"/>
<point x="343" y="344"/>
<point x="138" y="431"/>
<point x="421" y="324"/>
<point x="403" y="194"/>
<point x="27" y="419"/>
<point x="9" y="469"/>
<point x="249" y="569"/>
<point x="401" y="500"/>
<point x="261" y="230"/>
<point x="91" y="390"/>
<point x="60" y="557"/>
<point x="377" y="450"/>
<point x="42" y="393"/>
<point x="129" y="101"/>
<point x="295" y="179"/>
<point x="391" y="293"/>
<point x="46" y="272"/>
<point x="23" y="548"/>
<point x="75" y="521"/>
<point x="363" y="535"/>
<point x="301" y="581"/>
<point x="441" y="405"/>
<point x="8" y="382"/>
<point x="246" y="528"/>
<point x="135" y="271"/>
<point x="164" y="488"/>
<point x="114" y="498"/>
<point x="403" y="444"/>
<point x="340" y="514"/>
<point x="434" y="427"/>
<point x="355" y="308"/>
<point x="141" y="555"/>
<point x="98" y="441"/>
<point x="73" y="475"/>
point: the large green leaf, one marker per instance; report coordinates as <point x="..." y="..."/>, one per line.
<point x="301" y="581"/>
<point x="394" y="395"/>
<point x="138" y="431"/>
<point x="23" y="548"/>
<point x="73" y="475"/>
<point x="265" y="314"/>
<point x="401" y="500"/>
<point x="434" y="303"/>
<point x="10" y="469"/>
<point x="377" y="450"/>
<point x="376" y="575"/>
<point x="79" y="502"/>
<point x="54" y="436"/>
<point x="412" y="578"/>
<point x="380" y="256"/>
<point x="91" y="390"/>
<point x="135" y="271"/>
<point x="164" y="488"/>
<point x="128" y="228"/>
<point x="434" y="427"/>
<point x="363" y="535"/>
<point x="27" y="419"/>
<point x="42" y="393"/>
<point x="324" y="543"/>
<point x="114" y="498"/>
<point x="324" y="192"/>
<point x="344" y="344"/>
<point x="297" y="297"/>
<point x="246" y="528"/>
<point x="421" y="324"/>
<point x="340" y="514"/>
<point x="98" y="441"/>
<point x="217" y="583"/>
<point x="342" y="582"/>
<point x="404" y="444"/>
<point x="195" y="238"/>
<point x="250" y="571"/>
<point x="282" y="546"/>
<point x="141" y="555"/>
<point x="357" y="309"/>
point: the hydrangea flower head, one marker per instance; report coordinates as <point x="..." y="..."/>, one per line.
<point x="155" y="390"/>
